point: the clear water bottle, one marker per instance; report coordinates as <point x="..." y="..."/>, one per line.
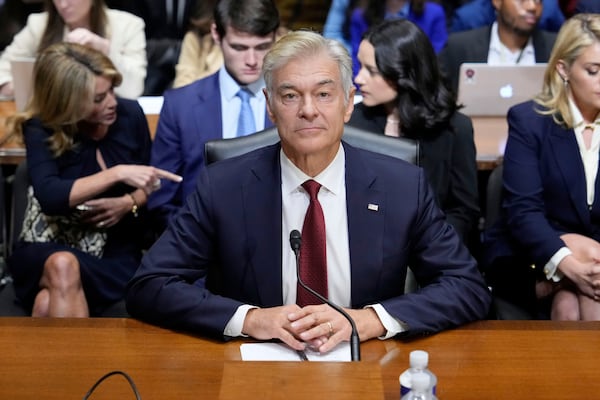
<point x="421" y="388"/>
<point x="418" y="360"/>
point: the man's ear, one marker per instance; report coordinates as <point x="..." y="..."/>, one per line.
<point x="350" y="105"/>
<point x="215" y="34"/>
<point x="269" y="111"/>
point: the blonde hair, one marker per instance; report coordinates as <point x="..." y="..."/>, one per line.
<point x="295" y="45"/>
<point x="63" y="91"/>
<point x="576" y="34"/>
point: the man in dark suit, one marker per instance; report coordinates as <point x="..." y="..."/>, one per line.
<point x="514" y="38"/>
<point x="224" y="266"/>
<point x="209" y="108"/>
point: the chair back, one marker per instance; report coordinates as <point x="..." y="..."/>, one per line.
<point x="402" y="148"/>
<point x="493" y="204"/>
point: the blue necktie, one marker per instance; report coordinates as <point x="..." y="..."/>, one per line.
<point x="246" y="120"/>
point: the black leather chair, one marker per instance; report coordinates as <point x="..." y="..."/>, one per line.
<point x="405" y="149"/>
<point x="503" y="308"/>
<point x="402" y="148"/>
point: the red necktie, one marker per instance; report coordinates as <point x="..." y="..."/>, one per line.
<point x="313" y="256"/>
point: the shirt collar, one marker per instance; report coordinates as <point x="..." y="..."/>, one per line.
<point x="578" y="121"/>
<point x="229" y="87"/>
<point x="497" y="46"/>
<point x="331" y="178"/>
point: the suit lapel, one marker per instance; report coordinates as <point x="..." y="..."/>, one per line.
<point x="366" y="209"/>
<point x="208" y="111"/>
<point x="262" y="206"/>
<point x="566" y="153"/>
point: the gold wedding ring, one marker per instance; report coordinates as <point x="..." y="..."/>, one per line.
<point x="330" y="328"/>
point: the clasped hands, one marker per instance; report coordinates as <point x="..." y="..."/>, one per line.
<point x="582" y="267"/>
<point x="319" y="327"/>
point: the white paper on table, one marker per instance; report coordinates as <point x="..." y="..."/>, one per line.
<point x="281" y="352"/>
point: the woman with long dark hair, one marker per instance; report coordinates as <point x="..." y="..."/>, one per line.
<point x="404" y="95"/>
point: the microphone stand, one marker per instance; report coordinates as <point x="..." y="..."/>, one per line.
<point x="295" y="242"/>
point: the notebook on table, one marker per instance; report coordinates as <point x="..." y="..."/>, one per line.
<point x="22" y="75"/>
<point x="490" y="90"/>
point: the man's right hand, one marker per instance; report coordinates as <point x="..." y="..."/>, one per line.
<point x="272" y="323"/>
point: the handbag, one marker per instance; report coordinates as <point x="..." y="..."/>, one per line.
<point x="68" y="230"/>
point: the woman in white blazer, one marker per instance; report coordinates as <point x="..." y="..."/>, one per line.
<point x="118" y="34"/>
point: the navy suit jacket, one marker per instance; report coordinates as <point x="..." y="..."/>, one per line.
<point x="544" y="190"/>
<point x="474" y="46"/>
<point x="190" y="116"/>
<point x="224" y="248"/>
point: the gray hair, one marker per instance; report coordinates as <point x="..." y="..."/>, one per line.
<point x="300" y="44"/>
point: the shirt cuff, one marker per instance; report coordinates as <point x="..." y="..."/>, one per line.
<point x="236" y="323"/>
<point x="391" y="324"/>
<point x="551" y="268"/>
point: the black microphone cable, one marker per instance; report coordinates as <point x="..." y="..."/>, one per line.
<point x="296" y="243"/>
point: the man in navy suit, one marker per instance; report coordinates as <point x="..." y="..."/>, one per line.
<point x="209" y="108"/>
<point x="224" y="266"/>
<point x="513" y="38"/>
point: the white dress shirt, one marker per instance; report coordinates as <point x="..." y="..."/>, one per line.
<point x="295" y="201"/>
<point x="499" y="54"/>
<point x="589" y="157"/>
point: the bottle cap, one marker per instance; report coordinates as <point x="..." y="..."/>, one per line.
<point x="420" y="382"/>
<point x="419" y="359"/>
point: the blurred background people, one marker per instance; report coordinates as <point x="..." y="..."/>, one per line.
<point x="478" y="13"/>
<point x="167" y="21"/>
<point x="337" y="22"/>
<point x="551" y="205"/>
<point x="427" y="15"/>
<point x="404" y="95"/>
<point x="87" y="156"/>
<point x="200" y="55"/>
<point x="13" y="17"/>
<point x="219" y="105"/>
<point x="513" y="38"/>
<point x="117" y="34"/>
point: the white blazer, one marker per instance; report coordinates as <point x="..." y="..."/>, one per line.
<point x="127" y="49"/>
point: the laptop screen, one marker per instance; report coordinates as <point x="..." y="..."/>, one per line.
<point x="490" y="90"/>
<point x="22" y="75"/>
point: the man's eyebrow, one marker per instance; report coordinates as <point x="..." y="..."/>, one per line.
<point x="287" y="86"/>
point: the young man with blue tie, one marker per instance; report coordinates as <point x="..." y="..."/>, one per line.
<point x="226" y="104"/>
<point x="225" y="266"/>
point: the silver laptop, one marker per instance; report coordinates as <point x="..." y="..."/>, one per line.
<point x="490" y="90"/>
<point x="22" y="75"/>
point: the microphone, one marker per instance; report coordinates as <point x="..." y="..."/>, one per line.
<point x="295" y="243"/>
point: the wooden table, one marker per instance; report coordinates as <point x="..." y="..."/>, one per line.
<point x="62" y="358"/>
<point x="490" y="135"/>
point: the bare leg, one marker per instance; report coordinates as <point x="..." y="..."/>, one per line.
<point x="589" y="308"/>
<point x="41" y="304"/>
<point x="565" y="306"/>
<point x="62" y="281"/>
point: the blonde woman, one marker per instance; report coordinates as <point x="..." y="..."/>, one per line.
<point x="87" y="156"/>
<point x="551" y="199"/>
